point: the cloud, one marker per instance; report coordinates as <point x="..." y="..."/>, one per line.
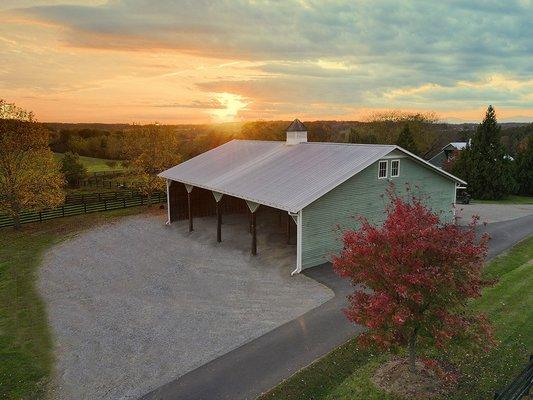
<point x="323" y="56"/>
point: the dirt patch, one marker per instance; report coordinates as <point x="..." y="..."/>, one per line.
<point x="396" y="378"/>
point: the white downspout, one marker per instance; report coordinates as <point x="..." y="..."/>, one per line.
<point x="168" y="202"/>
<point x="299" y="238"/>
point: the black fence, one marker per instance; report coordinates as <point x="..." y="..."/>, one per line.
<point x="68" y="210"/>
<point x="520" y="387"/>
<point x="100" y="196"/>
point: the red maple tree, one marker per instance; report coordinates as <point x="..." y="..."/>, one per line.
<point x="417" y="275"/>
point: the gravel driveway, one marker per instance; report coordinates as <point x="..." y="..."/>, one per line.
<point x="134" y="304"/>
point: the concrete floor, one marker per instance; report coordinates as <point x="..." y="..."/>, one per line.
<point x="490" y="213"/>
<point x="135" y="304"/>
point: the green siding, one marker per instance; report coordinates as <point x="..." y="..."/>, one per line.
<point x="438" y="160"/>
<point x="364" y="194"/>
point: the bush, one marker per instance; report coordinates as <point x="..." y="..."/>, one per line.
<point x="73" y="169"/>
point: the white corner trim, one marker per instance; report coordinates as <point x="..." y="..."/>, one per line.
<point x="168" y="202"/>
<point x="299" y="221"/>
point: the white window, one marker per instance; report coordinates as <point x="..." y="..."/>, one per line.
<point x="395" y="168"/>
<point x="382" y="169"/>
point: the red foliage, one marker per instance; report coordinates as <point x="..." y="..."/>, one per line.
<point x="417" y="275"/>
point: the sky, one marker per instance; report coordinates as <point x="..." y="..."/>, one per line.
<point x="200" y="61"/>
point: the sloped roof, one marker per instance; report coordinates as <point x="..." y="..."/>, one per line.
<point x="457" y="145"/>
<point x="277" y="175"/>
<point x="296" y="126"/>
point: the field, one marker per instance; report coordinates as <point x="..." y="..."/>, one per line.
<point x="345" y="373"/>
<point x="25" y="340"/>
<point x="512" y="199"/>
<point x="96" y="164"/>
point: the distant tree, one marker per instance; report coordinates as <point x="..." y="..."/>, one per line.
<point x="149" y="150"/>
<point x="417" y="274"/>
<point x="29" y="174"/>
<point x="483" y="164"/>
<point x="356" y="137"/>
<point x="73" y="169"/>
<point x="406" y="140"/>
<point x="386" y="125"/>
<point x="11" y="111"/>
<point x="524" y="168"/>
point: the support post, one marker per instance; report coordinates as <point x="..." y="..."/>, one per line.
<point x="189" y="190"/>
<point x="288" y="229"/>
<point x="168" y="201"/>
<point x="299" y="231"/>
<point x="254" y="235"/>
<point x="219" y="223"/>
<point x="253" y="208"/>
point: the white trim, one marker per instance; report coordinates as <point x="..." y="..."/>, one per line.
<point x="386" y="169"/>
<point x="189" y="188"/>
<point x="392" y="169"/>
<point x="168" y="202"/>
<point x="299" y="239"/>
<point x="455" y="187"/>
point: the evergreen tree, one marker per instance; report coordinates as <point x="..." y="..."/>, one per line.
<point x="524" y="169"/>
<point x="484" y="164"/>
<point x="406" y="140"/>
<point x="72" y="168"/>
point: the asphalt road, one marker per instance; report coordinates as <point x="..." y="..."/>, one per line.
<point x="259" y="365"/>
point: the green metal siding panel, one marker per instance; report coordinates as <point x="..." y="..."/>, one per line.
<point x="438" y="160"/>
<point x="364" y="194"/>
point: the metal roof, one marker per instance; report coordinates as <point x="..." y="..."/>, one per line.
<point x="278" y="175"/>
<point x="296" y="126"/>
<point x="457" y="145"/>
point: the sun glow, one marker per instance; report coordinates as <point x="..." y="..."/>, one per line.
<point x="230" y="105"/>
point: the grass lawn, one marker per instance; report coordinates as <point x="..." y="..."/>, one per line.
<point x="345" y="373"/>
<point x="96" y="164"/>
<point x="26" y="359"/>
<point x="513" y="199"/>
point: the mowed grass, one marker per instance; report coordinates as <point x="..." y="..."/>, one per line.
<point x="96" y="164"/>
<point x="346" y="373"/>
<point x="26" y="359"/>
<point x="513" y="199"/>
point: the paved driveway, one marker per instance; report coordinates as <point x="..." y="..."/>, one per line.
<point x="490" y="213"/>
<point x="135" y="304"/>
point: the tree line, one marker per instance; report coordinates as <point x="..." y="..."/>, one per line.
<point x="30" y="177"/>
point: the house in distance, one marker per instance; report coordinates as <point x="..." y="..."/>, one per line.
<point x="447" y="153"/>
<point x="317" y="185"/>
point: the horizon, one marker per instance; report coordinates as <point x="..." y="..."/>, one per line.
<point x="130" y="61"/>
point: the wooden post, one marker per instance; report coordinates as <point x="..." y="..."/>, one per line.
<point x="219" y="222"/>
<point x="190" y="211"/>
<point x="254" y="235"/>
<point x="288" y="229"/>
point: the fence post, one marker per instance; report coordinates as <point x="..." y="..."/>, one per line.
<point x="124" y="201"/>
<point x="63" y="210"/>
<point x="105" y="204"/>
<point x="99" y="196"/>
<point x="142" y="200"/>
<point x="85" y="208"/>
<point x="40" y="217"/>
